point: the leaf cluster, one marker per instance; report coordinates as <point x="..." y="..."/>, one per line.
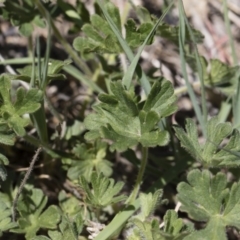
<point x="102" y="192"/>
<point x="144" y="226"/>
<point x="101" y="39"/>
<point x="207" y="199"/>
<point x="209" y="153"/>
<point x="126" y="122"/>
<point x="11" y="112"/>
<point x="217" y="74"/>
<point x="22" y="14"/>
<point x="89" y="159"/>
<point x="32" y="214"/>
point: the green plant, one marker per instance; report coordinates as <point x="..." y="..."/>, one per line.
<point x="84" y="183"/>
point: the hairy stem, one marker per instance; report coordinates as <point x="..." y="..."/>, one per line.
<point x="27" y="175"/>
<point x="135" y="191"/>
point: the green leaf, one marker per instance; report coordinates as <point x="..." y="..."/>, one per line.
<point x="41" y="238"/>
<point x="11" y="112"/>
<point x="53" y="73"/>
<point x="217" y="74"/>
<point x="5" y="218"/>
<point x="26" y="29"/>
<point x="210" y="153"/>
<point x="89" y="159"/>
<point x="3" y="172"/>
<point x="49" y="218"/>
<point x="22" y="14"/>
<point x="101" y="39"/>
<point x="171" y="33"/>
<point x="174" y="227"/>
<point x="69" y="204"/>
<point x="135" y="36"/>
<point x="207" y="199"/>
<point x="69" y="230"/>
<point x="31" y="216"/>
<point x="103" y="192"/>
<point x="120" y="118"/>
<point x="145" y="230"/>
<point x="149" y="202"/>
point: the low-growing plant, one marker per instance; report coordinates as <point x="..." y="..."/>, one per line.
<point x="88" y="195"/>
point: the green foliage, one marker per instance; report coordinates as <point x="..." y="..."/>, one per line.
<point x="5" y="217"/>
<point x="89" y="159"/>
<point x="71" y="224"/>
<point x="171" y="33"/>
<point x="103" y="192"/>
<point x="121" y="121"/>
<point x="33" y="216"/>
<point x="209" y="153"/>
<point x="149" y="203"/>
<point x="141" y="225"/>
<point x="53" y="73"/>
<point x="101" y="39"/>
<point x="22" y="14"/>
<point x="3" y="172"/>
<point x="126" y="122"/>
<point x="11" y="112"/>
<point x="207" y="199"/>
<point x="68" y="230"/>
<point x="218" y="74"/>
<point x="174" y="227"/>
<point x="144" y="227"/>
<point x="69" y="205"/>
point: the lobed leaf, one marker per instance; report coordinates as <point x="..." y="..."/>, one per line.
<point x="11" y="119"/>
<point x="32" y="217"/>
<point x="101" y="39"/>
<point x="207" y="199"/>
<point x="210" y="153"/>
<point x="103" y="192"/>
<point x="89" y="159"/>
<point x="124" y="121"/>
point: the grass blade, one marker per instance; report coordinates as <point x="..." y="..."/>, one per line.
<point x="127" y="79"/>
<point x="191" y="93"/>
<point x="143" y="78"/>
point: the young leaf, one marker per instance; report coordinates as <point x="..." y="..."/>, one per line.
<point x="145" y="230"/>
<point x="31" y="216"/>
<point x="174" y="227"/>
<point x="11" y="112"/>
<point x="68" y="230"/>
<point x="103" y="192"/>
<point x="209" y="152"/>
<point x="5" y="218"/>
<point x="149" y="203"/>
<point x="207" y="199"/>
<point x="171" y="33"/>
<point x="142" y="226"/>
<point x="218" y="74"/>
<point x="69" y="204"/>
<point x="101" y="39"/>
<point x="124" y="121"/>
<point x="90" y="159"/>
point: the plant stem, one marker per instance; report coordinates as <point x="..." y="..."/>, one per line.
<point x="15" y="201"/>
<point x="63" y="41"/>
<point x="135" y="191"/>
